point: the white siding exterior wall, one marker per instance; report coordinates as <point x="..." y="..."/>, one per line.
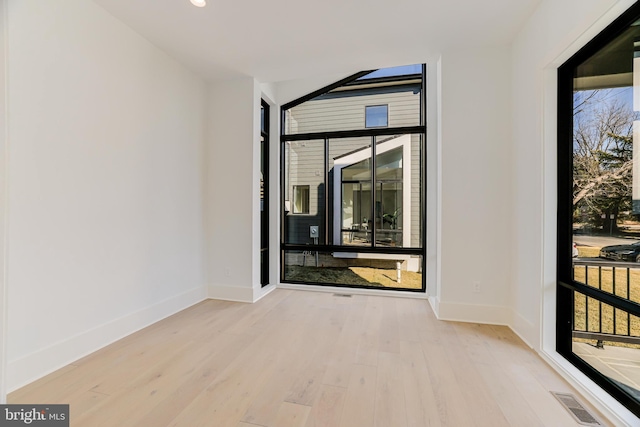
<point x="348" y="113"/>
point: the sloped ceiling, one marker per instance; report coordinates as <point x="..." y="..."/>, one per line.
<point x="280" y="40"/>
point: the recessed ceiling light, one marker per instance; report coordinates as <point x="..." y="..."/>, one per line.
<point x="199" y="3"/>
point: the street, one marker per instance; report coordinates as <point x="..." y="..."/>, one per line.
<point x="600" y="241"/>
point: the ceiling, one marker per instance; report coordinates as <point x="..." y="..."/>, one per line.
<point x="281" y="40"/>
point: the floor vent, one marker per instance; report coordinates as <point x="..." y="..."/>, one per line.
<point x="343" y="295"/>
<point x="575" y="408"/>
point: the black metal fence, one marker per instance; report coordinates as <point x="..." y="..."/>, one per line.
<point x="599" y="321"/>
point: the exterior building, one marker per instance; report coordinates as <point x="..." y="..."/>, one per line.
<point x="356" y="191"/>
<point x="350" y="190"/>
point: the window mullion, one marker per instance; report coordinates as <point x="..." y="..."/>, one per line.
<point x="373" y="191"/>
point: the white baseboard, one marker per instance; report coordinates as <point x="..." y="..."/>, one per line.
<point x="353" y="291"/>
<point x="486" y="314"/>
<point x="231" y="293"/>
<point x="239" y="293"/>
<point x="435" y="306"/>
<point x="260" y="293"/>
<point x="525" y="330"/>
<point x="27" y="369"/>
<point x="471" y="313"/>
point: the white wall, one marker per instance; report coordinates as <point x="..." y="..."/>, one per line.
<point x="469" y="155"/>
<point x="232" y="191"/>
<point x="551" y="36"/>
<point x="475" y="167"/>
<point x="537" y="52"/>
<point x="105" y="184"/>
<point x="3" y="204"/>
<point x="290" y="90"/>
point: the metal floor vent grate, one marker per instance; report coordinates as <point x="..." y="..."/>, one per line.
<point x="575" y="408"/>
<point x="343" y="295"/>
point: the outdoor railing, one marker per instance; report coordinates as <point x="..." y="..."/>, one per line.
<point x="602" y="322"/>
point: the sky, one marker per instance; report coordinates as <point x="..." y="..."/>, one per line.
<point x="394" y="71"/>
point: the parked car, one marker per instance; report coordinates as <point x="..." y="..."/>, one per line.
<point x="574" y="252"/>
<point x="629" y="252"/>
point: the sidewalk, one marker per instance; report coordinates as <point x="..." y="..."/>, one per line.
<point x="618" y="363"/>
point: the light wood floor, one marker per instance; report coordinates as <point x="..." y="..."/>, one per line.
<point x="300" y="358"/>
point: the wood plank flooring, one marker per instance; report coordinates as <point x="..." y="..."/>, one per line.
<point x="309" y="359"/>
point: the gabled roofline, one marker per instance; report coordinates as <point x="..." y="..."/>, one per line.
<point x="352" y="84"/>
<point x="385" y="80"/>
<point x="349" y="90"/>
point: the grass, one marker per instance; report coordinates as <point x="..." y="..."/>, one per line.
<point x="364" y="276"/>
<point x="613" y="321"/>
<point x="588" y="252"/>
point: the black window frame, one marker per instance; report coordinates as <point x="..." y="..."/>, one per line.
<point x="566" y="285"/>
<point x="373" y="133"/>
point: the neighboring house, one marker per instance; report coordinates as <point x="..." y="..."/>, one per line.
<point x="366" y="103"/>
<point x="356" y="204"/>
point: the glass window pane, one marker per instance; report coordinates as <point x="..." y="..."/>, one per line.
<point x="389" y="180"/>
<point x="398" y="188"/>
<point x="394" y="92"/>
<point x="599" y="187"/>
<point x="355" y="192"/>
<point x="262" y="175"/>
<point x="370" y="270"/>
<point x="389" y="214"/>
<point x="608" y="339"/>
<point x="376" y="116"/>
<point x="356" y="214"/>
<point x="389" y="163"/>
<point x="304" y="199"/>
<point x="301" y="199"/>
<point x="606" y="196"/>
<point x="350" y="190"/>
<point x="360" y="171"/>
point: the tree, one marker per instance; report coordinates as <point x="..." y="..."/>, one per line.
<point x="602" y="156"/>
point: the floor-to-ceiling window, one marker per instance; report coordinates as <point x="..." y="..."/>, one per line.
<point x="353" y="168"/>
<point x="264" y="193"/>
<point x="598" y="294"/>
